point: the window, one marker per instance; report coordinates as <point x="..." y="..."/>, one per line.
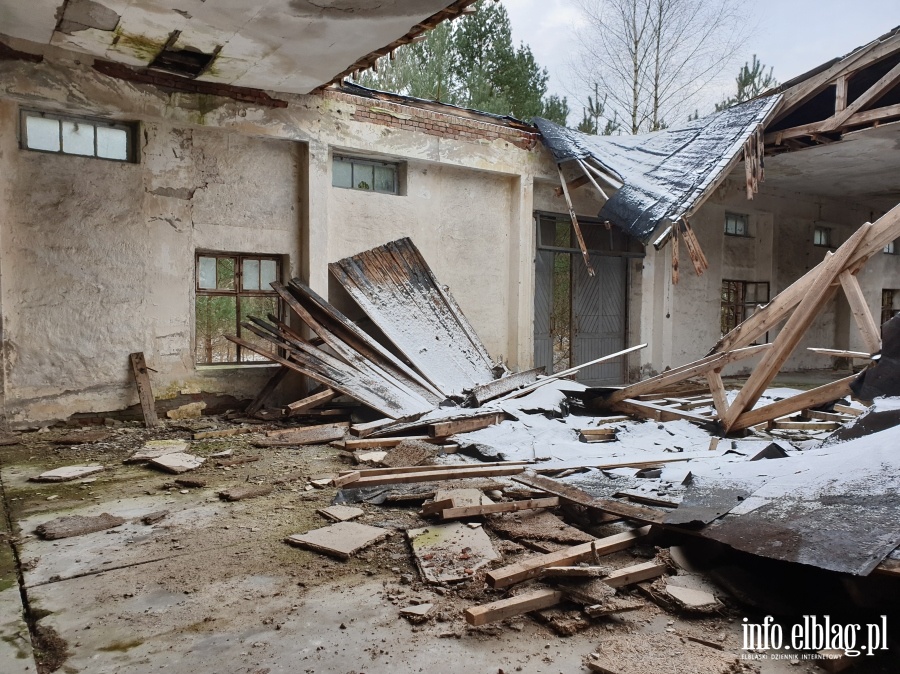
<point x="737" y="224"/>
<point x="230" y="288"/>
<point x="739" y="300"/>
<point x="365" y="174"/>
<point x="888" y="302"/>
<point x="822" y="236"/>
<point x="891" y="248"/>
<point x="46" y="132"/>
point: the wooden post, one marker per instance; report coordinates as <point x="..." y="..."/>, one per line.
<point x="868" y="328"/>
<point x="145" y="392"/>
<point x="575" y="225"/>
<point x="717" y="388"/>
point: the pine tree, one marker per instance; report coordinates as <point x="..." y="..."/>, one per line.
<point x="751" y="81"/>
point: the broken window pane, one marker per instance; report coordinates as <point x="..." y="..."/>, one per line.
<point x="385" y="179"/>
<point x="216" y="317"/>
<point x="251" y="275"/>
<point x="112" y="143"/>
<point x="342" y="173"/>
<point x="225" y="273"/>
<point x="78" y="138"/>
<point x="42" y="134"/>
<point x="363" y="176"/>
<point x="206" y="273"/>
<point x="259" y="307"/>
<point x="268" y="272"/>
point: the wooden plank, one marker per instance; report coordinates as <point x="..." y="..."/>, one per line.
<point x="846" y="409"/>
<point x="868" y="328"/>
<point x="659" y="412"/>
<point x="507" y="608"/>
<point x="720" y="397"/>
<point x="145" y="391"/>
<point x="841" y="353"/>
<point x="874" y="115"/>
<point x="675" y="375"/>
<point x="499" y="387"/>
<point x="311" y="435"/>
<point x="443" y="429"/>
<point x="309" y="402"/>
<point x="587" y="174"/>
<point x="815" y="397"/>
<point x="824" y="416"/>
<point x="266" y="392"/>
<point x="840" y="94"/>
<point x="438" y="475"/>
<point x="379" y="443"/>
<point x="346" y="478"/>
<point x="695" y="252"/>
<point x="224" y="433"/>
<point x="533" y="566"/>
<point x="575" y="226"/>
<point x="508" y="507"/>
<point x="635" y="574"/>
<point x="794" y="330"/>
<point x="369" y="472"/>
<point x="804" y="425"/>
<point x="366" y="429"/>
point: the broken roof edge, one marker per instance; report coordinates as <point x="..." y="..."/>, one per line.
<point x="354" y="89"/>
<point x="453" y="11"/>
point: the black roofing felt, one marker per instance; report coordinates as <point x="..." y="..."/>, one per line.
<point x="666" y="173"/>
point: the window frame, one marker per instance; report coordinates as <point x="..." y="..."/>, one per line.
<point x="741" y="307"/>
<point x="890" y="249"/>
<point x="888" y="299"/>
<point x="829" y="240"/>
<point x="367" y="161"/>
<point x="741" y="217"/>
<point x="237" y="293"/>
<point x="130" y="129"/>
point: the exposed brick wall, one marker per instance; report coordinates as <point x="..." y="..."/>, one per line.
<point x="444" y="125"/>
<point x="176" y="83"/>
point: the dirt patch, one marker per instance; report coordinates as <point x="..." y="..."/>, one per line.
<point x="50" y="649"/>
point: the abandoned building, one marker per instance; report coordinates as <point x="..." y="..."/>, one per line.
<point x="202" y="193"/>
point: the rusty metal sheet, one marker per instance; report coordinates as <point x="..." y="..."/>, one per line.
<point x="396" y="288"/>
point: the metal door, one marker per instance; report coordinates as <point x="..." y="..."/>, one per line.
<point x="543" y="310"/>
<point x="598" y="317"/>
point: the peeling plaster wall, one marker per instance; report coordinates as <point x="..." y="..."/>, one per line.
<point x="97" y="257"/>
<point x="779" y="250"/>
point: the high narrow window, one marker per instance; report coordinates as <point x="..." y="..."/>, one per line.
<point x="230" y="288"/>
<point x="61" y="134"/>
<point x="365" y="174"/>
<point x="889" y="298"/>
<point x="739" y="300"/>
<point x="891" y="248"/>
<point x="822" y="236"/>
<point x="737" y="224"/>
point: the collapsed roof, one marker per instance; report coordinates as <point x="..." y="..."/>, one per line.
<point x="666" y="175"/>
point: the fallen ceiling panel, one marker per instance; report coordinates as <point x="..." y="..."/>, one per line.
<point x="398" y="291"/>
<point x="667" y="174"/>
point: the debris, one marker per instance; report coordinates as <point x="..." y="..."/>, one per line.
<point x="575" y="572"/>
<point x="145" y="392"/>
<point x="77" y="525"/>
<point x="409" y="453"/>
<point x="635" y="574"/>
<point x="309" y="435"/>
<point x="154" y="517"/>
<point x="458" y="512"/>
<point x="537" y="525"/>
<point x="375" y="477"/>
<point x="245" y="491"/>
<point x="238" y="461"/>
<point x="340" y="513"/>
<point x="339" y="540"/>
<point x="417" y="610"/>
<point x="83" y="438"/>
<point x="666" y="652"/>
<point x="157" y="448"/>
<point x="565" y="622"/>
<point x="224" y="454"/>
<point x="67" y="473"/>
<point x="371" y="458"/>
<point x="178" y="462"/>
<point x="532" y="568"/>
<point x="692" y="600"/>
<point x="189" y="411"/>
<point x="450" y="552"/>
<point x="614" y="604"/>
<point x="507" y="608"/>
<point x="223" y="433"/>
<point x="192" y="482"/>
<point x="6" y="440"/>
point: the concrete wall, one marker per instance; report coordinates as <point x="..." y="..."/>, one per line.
<point x="97" y="257"/>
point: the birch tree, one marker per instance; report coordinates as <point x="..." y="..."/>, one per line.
<point x="651" y="58"/>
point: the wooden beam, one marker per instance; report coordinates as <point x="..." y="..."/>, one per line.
<point x="437" y="475"/>
<point x="575" y="225"/>
<point x="590" y="177"/>
<point x="380" y="443"/>
<point x="794" y="330"/>
<point x="443" y="429"/>
<point x="675" y="375"/>
<point x="813" y="426"/>
<point x="573" y="185"/>
<point x="874" y="115"/>
<point x="266" y="392"/>
<point x="144" y="390"/>
<point x="868" y="328"/>
<point x="814" y="398"/>
<point x="500" y="387"/>
<point x="507" y="608"/>
<point x="717" y="388"/>
<point x="840" y="353"/>
<point x="635" y="574"/>
<point x="369" y="472"/>
<point x="533" y="566"/>
<point x="508" y="507"/>
<point x="654" y="412"/>
<point x="695" y="252"/>
<point x="840" y="97"/>
<point x="309" y="402"/>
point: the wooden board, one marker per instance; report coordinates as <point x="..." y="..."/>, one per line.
<point x="654" y="412"/>
<point x="507" y="608"/>
<point x="443" y="429"/>
<point x="817" y="396"/>
<point x="145" y="391"/>
<point x="436" y="475"/>
<point x="500" y="387"/>
<point x="309" y="402"/>
<point x="635" y="574"/>
<point x="532" y="567"/>
<point x="513" y="506"/>
<point x="339" y="540"/>
<point x="310" y="435"/>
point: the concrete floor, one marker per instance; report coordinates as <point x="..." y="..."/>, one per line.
<point x="212" y="588"/>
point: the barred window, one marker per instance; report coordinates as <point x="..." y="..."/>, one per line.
<point x="739" y="300"/>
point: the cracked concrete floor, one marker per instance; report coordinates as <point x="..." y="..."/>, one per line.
<point x="213" y="588"/>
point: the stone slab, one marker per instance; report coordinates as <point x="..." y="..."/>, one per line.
<point x="157" y="448"/>
<point x="339" y="540"/>
<point x="340" y="513"/>
<point x="450" y="552"/>
<point x="178" y="462"/>
<point x="67" y="473"/>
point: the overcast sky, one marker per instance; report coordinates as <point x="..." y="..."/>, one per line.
<point x="793" y="36"/>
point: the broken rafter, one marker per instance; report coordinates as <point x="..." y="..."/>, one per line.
<point x="575" y="225"/>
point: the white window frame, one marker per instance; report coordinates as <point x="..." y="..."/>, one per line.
<point x="366" y="161"/>
<point x="739" y="219"/>
<point x="129" y="128"/>
<point x="828" y="232"/>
